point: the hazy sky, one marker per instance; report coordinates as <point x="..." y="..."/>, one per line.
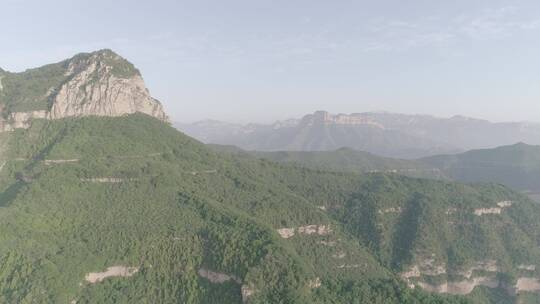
<point x="254" y="60"/>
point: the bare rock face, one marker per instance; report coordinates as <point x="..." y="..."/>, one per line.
<point x="113" y="271"/>
<point x="96" y="87"/>
<point x="95" y="84"/>
<point x="305" y="230"/>
<point x="481" y="273"/>
<point x="323" y="117"/>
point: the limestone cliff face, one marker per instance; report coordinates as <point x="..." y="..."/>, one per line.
<point x="95" y="84"/>
<point x="96" y="88"/>
<point x="325" y="118"/>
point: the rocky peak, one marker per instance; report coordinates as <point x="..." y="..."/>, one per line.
<point x="101" y="83"/>
<point x="106" y="59"/>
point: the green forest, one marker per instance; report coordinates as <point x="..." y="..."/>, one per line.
<point x="80" y="195"/>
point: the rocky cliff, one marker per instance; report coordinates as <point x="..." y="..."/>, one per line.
<point x="323" y="117"/>
<point x="100" y="83"/>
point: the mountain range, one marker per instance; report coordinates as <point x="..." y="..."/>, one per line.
<point x="385" y="134"/>
<point x="102" y="201"/>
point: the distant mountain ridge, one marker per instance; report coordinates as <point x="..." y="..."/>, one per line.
<point x="382" y="133"/>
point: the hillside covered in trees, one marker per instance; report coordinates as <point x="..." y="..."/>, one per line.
<point x="516" y="166"/>
<point x="129" y="210"/>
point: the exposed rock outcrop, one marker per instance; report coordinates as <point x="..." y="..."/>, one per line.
<point x="339" y="119"/>
<point x="113" y="271"/>
<point x="112" y="180"/>
<point x="493" y="210"/>
<point x="482" y="273"/>
<point x="527" y="267"/>
<point x="95" y="89"/>
<point x="428" y="267"/>
<point x="424" y="267"/>
<point x="465" y="287"/>
<point x="59" y="161"/>
<point x="528" y="284"/>
<point x="305" y="230"/>
<point x="460" y="287"/>
<point x="96" y="84"/>
<point x="315" y="283"/>
<point x="390" y="210"/>
<point x="286" y="232"/>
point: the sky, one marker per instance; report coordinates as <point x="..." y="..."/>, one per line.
<point x="263" y="60"/>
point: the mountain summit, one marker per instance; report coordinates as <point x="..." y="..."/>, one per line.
<point x="101" y="83"/>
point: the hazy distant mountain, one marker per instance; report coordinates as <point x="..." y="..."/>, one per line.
<point x="459" y="131"/>
<point x="386" y="134"/>
<point x="320" y="131"/>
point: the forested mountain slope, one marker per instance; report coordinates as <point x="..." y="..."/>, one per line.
<point x="127" y="209"/>
<point x="345" y="160"/>
<point x="517" y="166"/>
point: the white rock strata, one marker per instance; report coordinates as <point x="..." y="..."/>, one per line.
<point x="305" y="230"/>
<point x="92" y="88"/>
<point x="114" y="271"/>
